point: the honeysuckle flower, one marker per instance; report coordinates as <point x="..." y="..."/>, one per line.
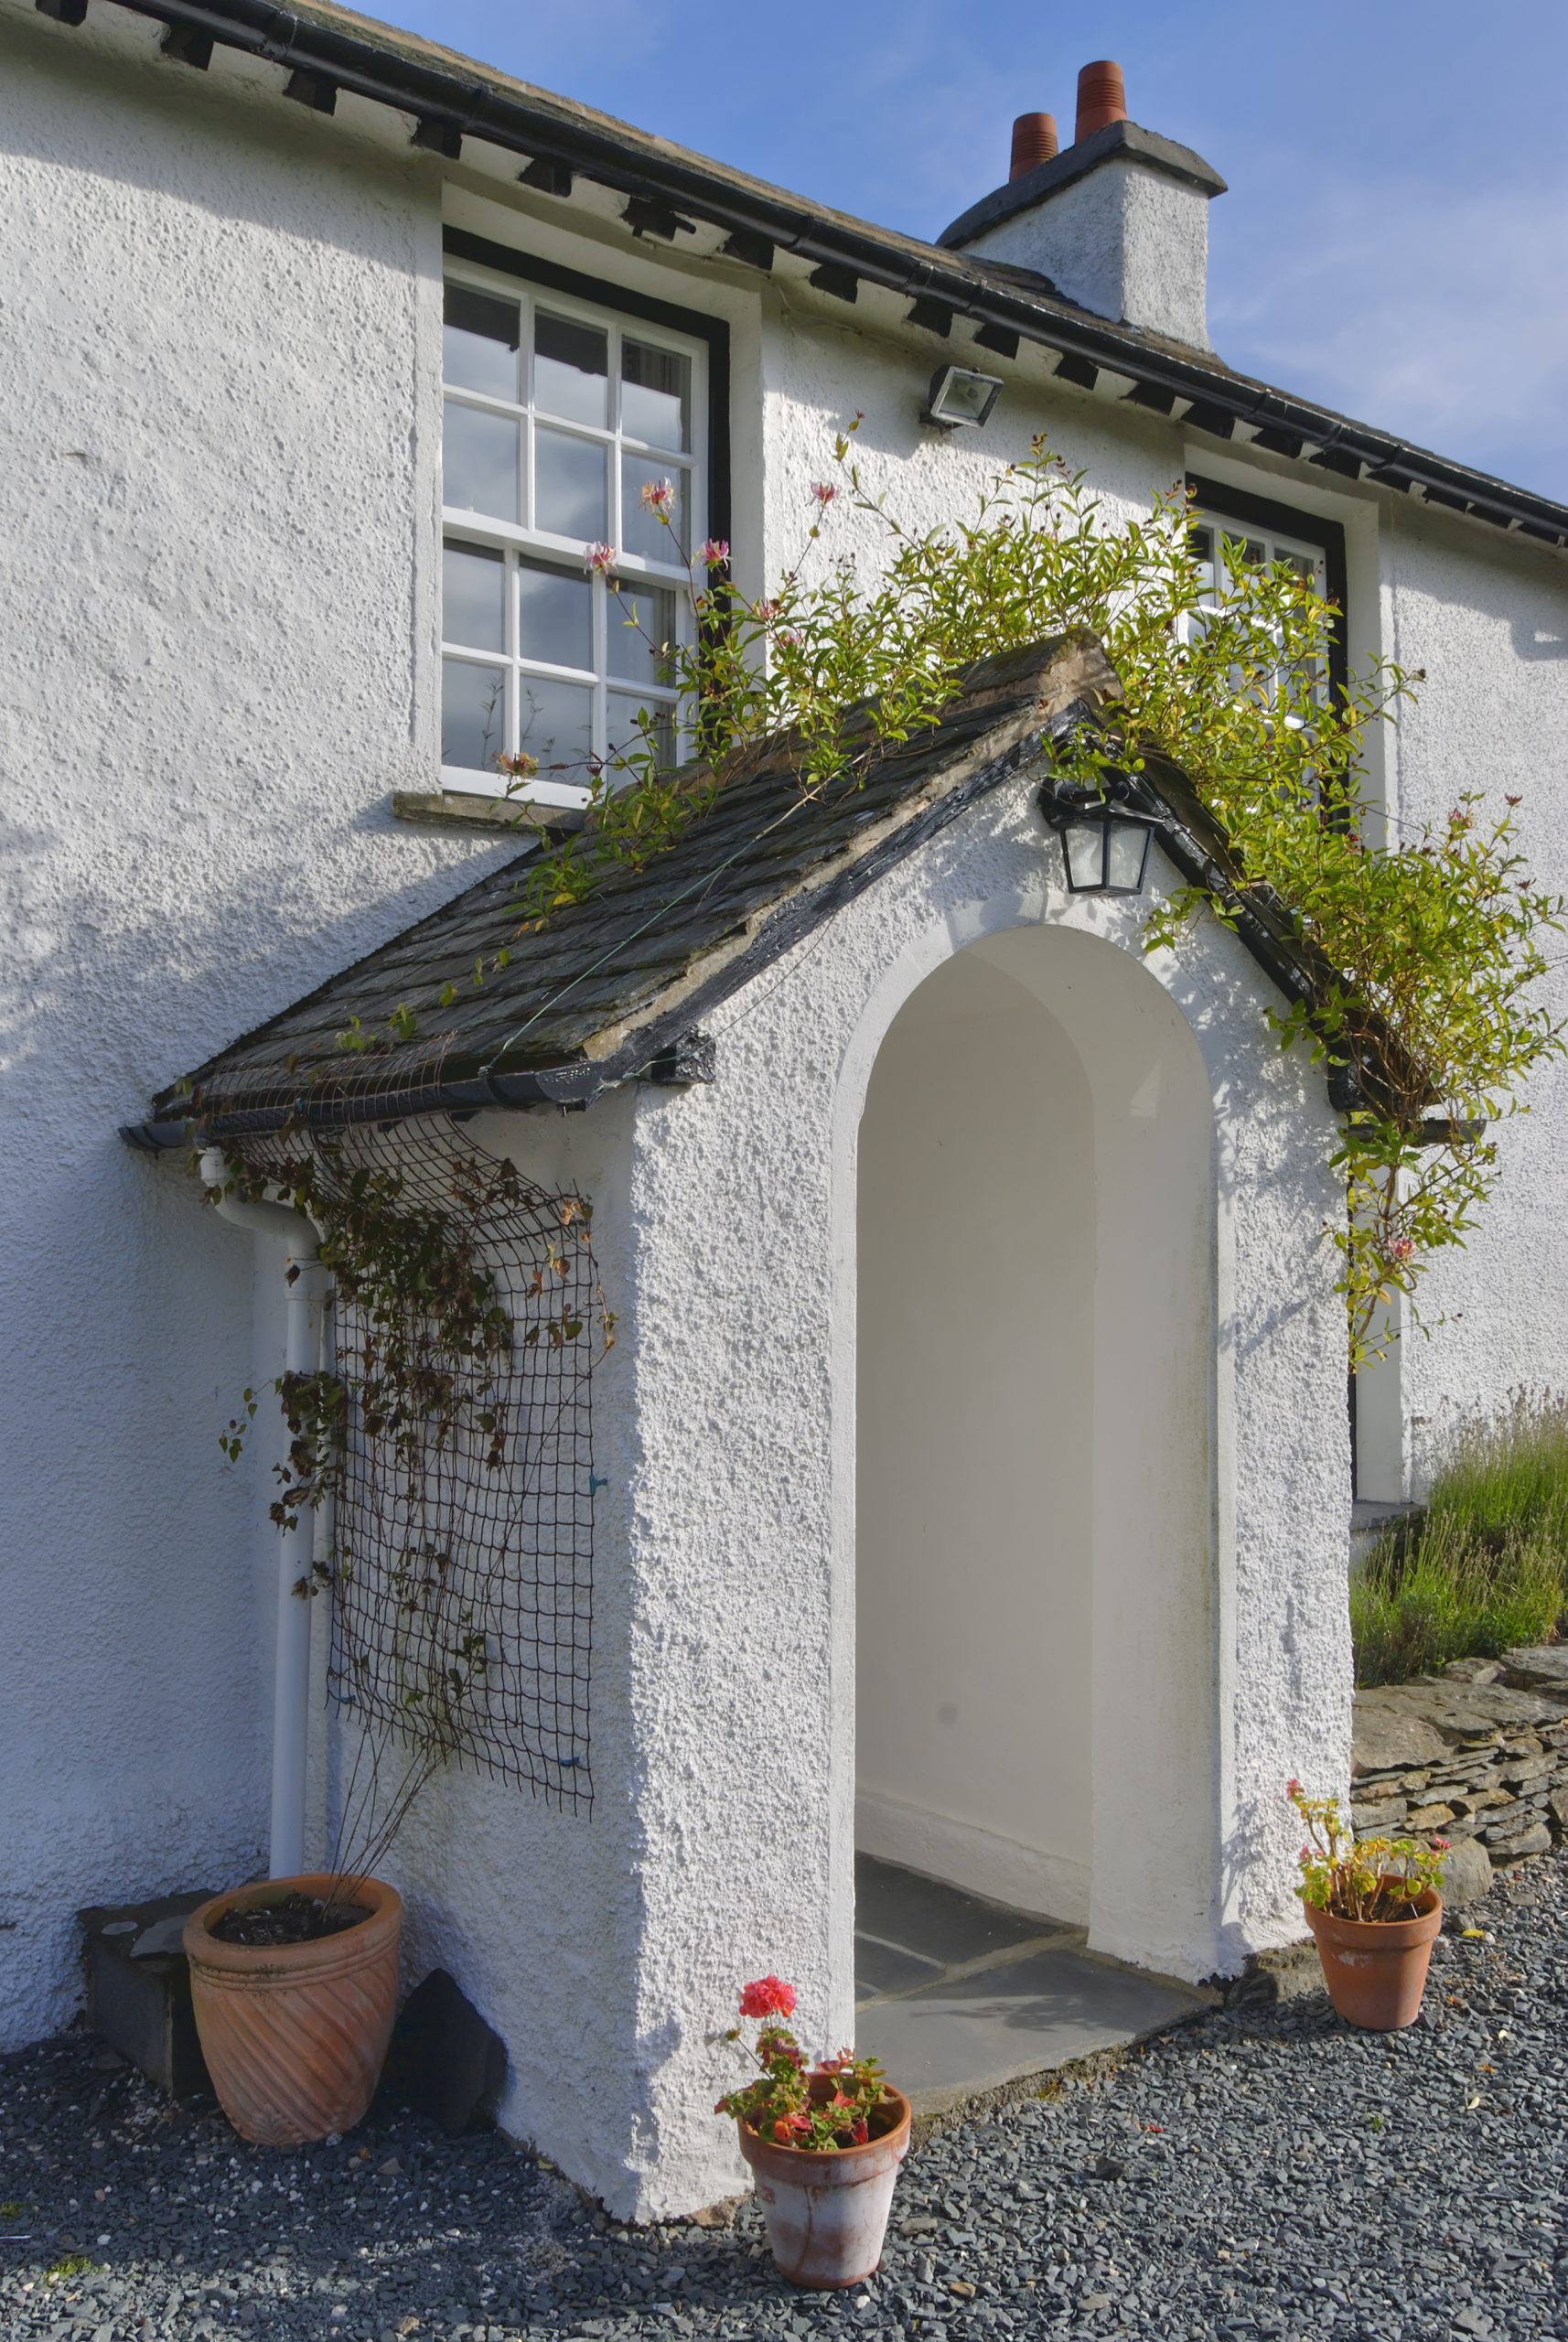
<point x="598" y="560"/>
<point x="1401" y="1248"/>
<point x="768" y="611"/>
<point x="1292" y="1787"/>
<point x="787" y="634"/>
<point x="823" y="491"/>
<point x="520" y="765"/>
<point x="713" y="552"/>
<point x="657" y="496"/>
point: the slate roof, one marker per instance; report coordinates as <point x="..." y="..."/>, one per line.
<point x="319" y="50"/>
<point x="609" y="984"/>
<point x="615" y="987"/>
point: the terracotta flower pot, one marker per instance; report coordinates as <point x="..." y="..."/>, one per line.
<point x="1375" y="1969"/>
<point x="827" y="2213"/>
<point x="295" y="2034"/>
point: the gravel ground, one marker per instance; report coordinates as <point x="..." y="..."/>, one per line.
<point x="1256" y="2173"/>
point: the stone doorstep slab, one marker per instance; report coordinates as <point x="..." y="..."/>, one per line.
<point x="967" y="2036"/>
<point x="903" y="1912"/>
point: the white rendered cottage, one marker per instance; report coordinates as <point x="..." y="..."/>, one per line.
<point x="973" y="1317"/>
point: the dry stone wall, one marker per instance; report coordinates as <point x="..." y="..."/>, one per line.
<point x="1477" y="1753"/>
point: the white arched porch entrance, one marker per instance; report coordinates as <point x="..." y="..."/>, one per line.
<point x="1037" y="1674"/>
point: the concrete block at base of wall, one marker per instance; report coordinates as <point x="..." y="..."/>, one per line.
<point x="138" y="1988"/>
<point x="444" y="2061"/>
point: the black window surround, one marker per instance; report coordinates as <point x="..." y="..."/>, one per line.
<point x="458" y="244"/>
<point x="1215" y="500"/>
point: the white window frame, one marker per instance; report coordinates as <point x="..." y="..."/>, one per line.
<point x="1275" y="546"/>
<point x="512" y="540"/>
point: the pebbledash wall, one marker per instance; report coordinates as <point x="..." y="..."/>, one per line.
<point x="219" y="516"/>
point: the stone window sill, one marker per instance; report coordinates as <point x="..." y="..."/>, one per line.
<point x="453" y="809"/>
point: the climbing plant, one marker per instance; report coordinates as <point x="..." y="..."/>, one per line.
<point x="447" y="1448"/>
<point x="1427" y="942"/>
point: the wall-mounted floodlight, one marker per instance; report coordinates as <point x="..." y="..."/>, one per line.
<point x="960" y="399"/>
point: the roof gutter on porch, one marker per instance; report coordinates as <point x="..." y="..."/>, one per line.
<point x="323" y="56"/>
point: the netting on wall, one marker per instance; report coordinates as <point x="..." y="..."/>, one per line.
<point x="460" y="1530"/>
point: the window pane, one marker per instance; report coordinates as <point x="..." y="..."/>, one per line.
<point x="642" y="529"/>
<point x="473" y="715"/>
<point x="642" y="622"/>
<point x="481" y="342"/>
<point x="571" y="368"/>
<point x="479" y="465"/>
<point x="555" y="724"/>
<point x="555" y="621"/>
<point x="625" y="733"/>
<point x="655" y="395"/>
<point x="472" y="606"/>
<point x="569" y="486"/>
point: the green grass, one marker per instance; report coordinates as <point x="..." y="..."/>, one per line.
<point x="1486" y="1565"/>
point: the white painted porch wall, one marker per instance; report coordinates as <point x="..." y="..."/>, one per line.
<point x="741" y="1511"/>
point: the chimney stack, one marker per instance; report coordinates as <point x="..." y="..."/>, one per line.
<point x="1034" y="142"/>
<point x="1117" y="223"/>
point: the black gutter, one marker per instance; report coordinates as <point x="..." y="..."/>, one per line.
<point x="447" y="104"/>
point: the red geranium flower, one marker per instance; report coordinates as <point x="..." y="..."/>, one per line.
<point x="769" y="1996"/>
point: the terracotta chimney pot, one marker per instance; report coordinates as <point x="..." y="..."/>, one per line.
<point x="1102" y="97"/>
<point x="1034" y="142"/>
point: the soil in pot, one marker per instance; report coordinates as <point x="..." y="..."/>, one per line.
<point x="294" y="2032"/>
<point x="297" y="1919"/>
<point x="827" y="2212"/>
<point x="1375" y="1969"/>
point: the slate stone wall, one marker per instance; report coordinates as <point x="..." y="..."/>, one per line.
<point x="1481" y="1752"/>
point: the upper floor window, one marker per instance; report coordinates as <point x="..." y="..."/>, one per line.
<point x="558" y="414"/>
<point x="1232" y="530"/>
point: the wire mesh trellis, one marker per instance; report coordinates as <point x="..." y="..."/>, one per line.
<point x="461" y="1547"/>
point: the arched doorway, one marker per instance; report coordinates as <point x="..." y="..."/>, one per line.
<point x="1034" y="1514"/>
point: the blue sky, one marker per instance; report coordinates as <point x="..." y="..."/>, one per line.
<point x="1395" y="238"/>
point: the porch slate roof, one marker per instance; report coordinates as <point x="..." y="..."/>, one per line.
<point x="609" y="986"/>
<point x="614" y="987"/>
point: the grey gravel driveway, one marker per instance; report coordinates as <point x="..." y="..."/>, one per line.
<point x="1256" y="2172"/>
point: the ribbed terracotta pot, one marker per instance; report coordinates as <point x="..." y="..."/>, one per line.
<point x="295" y="2034"/>
<point x="1375" y="1969"/>
<point x="827" y="2214"/>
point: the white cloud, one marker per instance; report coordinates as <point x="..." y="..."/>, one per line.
<point x="1432" y="311"/>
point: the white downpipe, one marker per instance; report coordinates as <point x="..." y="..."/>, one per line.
<point x="306" y="1295"/>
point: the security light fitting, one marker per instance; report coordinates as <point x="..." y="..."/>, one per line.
<point x="960" y="399"/>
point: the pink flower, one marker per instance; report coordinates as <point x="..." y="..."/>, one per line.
<point x="787" y="634"/>
<point x="713" y="552"/>
<point x="657" y="496"/>
<point x="1401" y="1249"/>
<point x="823" y="491"/>
<point x="1293" y="1788"/>
<point x="1440" y="1845"/>
<point x="768" y="611"/>
<point x="769" y="1996"/>
<point x="600" y="560"/>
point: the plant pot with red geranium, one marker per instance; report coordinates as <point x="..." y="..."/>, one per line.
<point x="824" y="2143"/>
<point x="1375" y="1910"/>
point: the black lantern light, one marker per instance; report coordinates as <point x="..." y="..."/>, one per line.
<point x="1104" y="832"/>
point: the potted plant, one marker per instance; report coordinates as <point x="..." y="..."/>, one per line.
<point x="824" y="2146"/>
<point x="1375" y="1910"/>
<point x="294" y="1982"/>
